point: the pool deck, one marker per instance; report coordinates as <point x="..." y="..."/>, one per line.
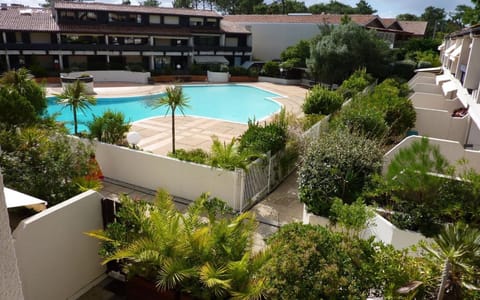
<point x="191" y="132"/>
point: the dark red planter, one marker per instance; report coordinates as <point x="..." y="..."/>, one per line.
<point x="140" y="288"/>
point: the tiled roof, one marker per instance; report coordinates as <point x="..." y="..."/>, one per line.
<point x="308" y="19"/>
<point x="38" y="20"/>
<point x="415" y="27"/>
<point x="135" y="9"/>
<point x="231" y="27"/>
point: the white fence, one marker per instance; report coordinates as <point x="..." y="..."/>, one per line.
<point x="55" y="258"/>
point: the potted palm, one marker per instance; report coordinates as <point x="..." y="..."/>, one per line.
<point x="205" y="253"/>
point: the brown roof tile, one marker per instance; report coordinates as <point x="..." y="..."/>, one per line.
<point x="416" y="27"/>
<point x="231" y="27"/>
<point x="38" y="20"/>
<point x="135" y="9"/>
<point x="315" y="19"/>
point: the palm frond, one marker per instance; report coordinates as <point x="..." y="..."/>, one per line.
<point x="215" y="279"/>
<point x="173" y="273"/>
<point x="100" y="235"/>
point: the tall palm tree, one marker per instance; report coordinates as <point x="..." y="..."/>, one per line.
<point x="174" y="98"/>
<point x="457" y="247"/>
<point x="75" y="97"/>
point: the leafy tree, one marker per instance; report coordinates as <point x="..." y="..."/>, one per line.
<point x="333" y="7"/>
<point x="311" y="262"/>
<point x="237" y="7"/>
<point x="363" y="8"/>
<point x="356" y="83"/>
<point x="109" y="128"/>
<point x="182" y="3"/>
<point x="298" y="53"/>
<point x="153" y="3"/>
<point x="407" y="17"/>
<point x="465" y="15"/>
<point x="339" y="164"/>
<point x="204" y="252"/>
<point x="173" y="99"/>
<point x="15" y="109"/>
<point x="74" y="97"/>
<point x="320" y="100"/>
<point x="436" y="20"/>
<point x="457" y="248"/>
<point x="43" y="163"/>
<point x="345" y="48"/>
<point x="22" y="82"/>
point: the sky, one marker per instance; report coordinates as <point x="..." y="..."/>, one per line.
<point x="386" y="8"/>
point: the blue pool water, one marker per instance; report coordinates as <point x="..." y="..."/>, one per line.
<point x="235" y="103"/>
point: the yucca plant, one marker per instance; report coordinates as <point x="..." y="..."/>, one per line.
<point x="203" y="252"/>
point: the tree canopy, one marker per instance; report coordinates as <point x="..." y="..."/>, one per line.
<point x="341" y="50"/>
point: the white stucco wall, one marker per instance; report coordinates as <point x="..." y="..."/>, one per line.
<point x="269" y="40"/>
<point x="452" y="150"/>
<point x="179" y="178"/>
<point x="10" y="285"/>
<point x="56" y="259"/>
<point x="440" y="124"/>
<point x="435" y="101"/>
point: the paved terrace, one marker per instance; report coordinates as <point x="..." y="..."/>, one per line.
<point x="191" y="132"/>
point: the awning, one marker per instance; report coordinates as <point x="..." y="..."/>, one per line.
<point x="17" y="199"/>
<point x="211" y="60"/>
<point x="450" y="49"/>
<point x="448" y="87"/>
<point x="456" y="53"/>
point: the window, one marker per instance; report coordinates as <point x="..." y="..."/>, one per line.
<point x="206" y="40"/>
<point x="195" y="21"/>
<point x="124" y="18"/>
<point x="87" y="16"/>
<point x="211" y="22"/>
<point x="231" y="42"/>
<point x="171" y="20"/>
<point x="67" y="15"/>
<point x="154" y="19"/>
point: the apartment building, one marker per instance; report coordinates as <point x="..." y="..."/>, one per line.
<point x="80" y="35"/>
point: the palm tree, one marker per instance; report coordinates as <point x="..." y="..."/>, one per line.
<point x="229" y="156"/>
<point x="17" y="79"/>
<point x="457" y="247"/>
<point x="75" y="97"/>
<point x="209" y="258"/>
<point x="173" y="99"/>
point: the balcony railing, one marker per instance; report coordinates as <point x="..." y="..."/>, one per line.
<point x="94" y="47"/>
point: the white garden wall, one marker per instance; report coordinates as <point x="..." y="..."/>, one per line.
<point x="10" y="285"/>
<point x="181" y="179"/>
<point x="218" y="77"/>
<point x="435" y="101"/>
<point x="452" y="150"/>
<point x="279" y="80"/>
<point x="440" y="124"/>
<point x="379" y="228"/>
<point x="55" y="258"/>
<point x="427" y="88"/>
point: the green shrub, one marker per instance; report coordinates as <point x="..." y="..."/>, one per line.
<point x="43" y="163"/>
<point x="110" y="128"/>
<point x="309" y="120"/>
<point x="238" y="71"/>
<point x="262" y="139"/>
<point x="271" y="68"/>
<point x="362" y="119"/>
<point x="15" y="109"/>
<point x="312" y="262"/>
<point x="356" y="83"/>
<point x="198" y="155"/>
<point x="320" y="100"/>
<point x="339" y="164"/>
<point x="196" y="69"/>
<point x="404" y="69"/>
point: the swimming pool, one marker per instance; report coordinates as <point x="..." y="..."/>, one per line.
<point x="234" y="103"/>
